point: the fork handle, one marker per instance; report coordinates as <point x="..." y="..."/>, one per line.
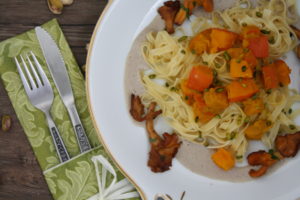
<point x="82" y="139"/>
<point x="57" y="140"/>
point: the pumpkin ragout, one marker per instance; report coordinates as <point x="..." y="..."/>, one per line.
<point x="246" y="55"/>
<point x="252" y="71"/>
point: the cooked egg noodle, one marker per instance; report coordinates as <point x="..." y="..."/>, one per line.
<point x="171" y="60"/>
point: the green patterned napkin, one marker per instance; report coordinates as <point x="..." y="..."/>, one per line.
<point x="76" y="178"/>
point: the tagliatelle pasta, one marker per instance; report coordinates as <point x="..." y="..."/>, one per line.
<point x="171" y="60"/>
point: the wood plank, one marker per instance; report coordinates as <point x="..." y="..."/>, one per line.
<point x="36" y="12"/>
<point x="20" y="174"/>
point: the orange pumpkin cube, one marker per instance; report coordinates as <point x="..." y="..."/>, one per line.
<point x="240" y="69"/>
<point x="270" y="76"/>
<point x="283" y="72"/>
<point x="240" y="90"/>
<point x="223" y="159"/>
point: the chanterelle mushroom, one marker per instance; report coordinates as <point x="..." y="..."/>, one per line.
<point x="288" y="145"/>
<point x="262" y="158"/>
<point x="168" y="12"/>
<point x="163" y="149"/>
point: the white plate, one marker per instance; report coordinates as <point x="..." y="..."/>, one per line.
<point x="128" y="144"/>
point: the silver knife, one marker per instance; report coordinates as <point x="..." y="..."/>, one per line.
<point x="61" y="79"/>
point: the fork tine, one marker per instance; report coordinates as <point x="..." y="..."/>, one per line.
<point x="36" y="76"/>
<point x="23" y="78"/>
<point x="40" y="69"/>
<point x="33" y="85"/>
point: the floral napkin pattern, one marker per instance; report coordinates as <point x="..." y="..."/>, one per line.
<point x="74" y="179"/>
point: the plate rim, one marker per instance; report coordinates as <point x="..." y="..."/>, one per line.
<point x="97" y="126"/>
<point x="87" y="88"/>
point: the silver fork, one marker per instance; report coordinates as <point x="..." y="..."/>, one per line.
<point x="40" y="94"/>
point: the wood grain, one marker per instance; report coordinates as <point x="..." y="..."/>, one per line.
<point x="20" y="174"/>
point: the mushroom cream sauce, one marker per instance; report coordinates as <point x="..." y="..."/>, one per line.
<point x="195" y="157"/>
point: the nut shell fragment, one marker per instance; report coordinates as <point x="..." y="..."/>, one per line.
<point x="67" y="2"/>
<point x="55" y="6"/>
<point x="6" y="123"/>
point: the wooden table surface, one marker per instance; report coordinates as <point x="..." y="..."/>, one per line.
<point x="20" y="174"/>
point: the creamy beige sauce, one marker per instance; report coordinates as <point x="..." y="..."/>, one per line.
<point x="195" y="157"/>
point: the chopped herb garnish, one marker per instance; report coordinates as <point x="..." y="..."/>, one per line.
<point x="167" y="84"/>
<point x="239" y="120"/>
<point x="173" y="89"/>
<point x="206" y="90"/>
<point x="199" y="138"/>
<point x="185" y="9"/>
<point x="244" y="24"/>
<point x="152" y="76"/>
<point x="226" y="56"/>
<point x="215" y="73"/>
<point x="269" y="91"/>
<point x="182" y="51"/>
<point x="217" y="82"/>
<point x="244" y="68"/>
<point x="200" y="134"/>
<point x="292" y="127"/>
<point x="145" y="49"/>
<point x="255" y="96"/>
<point x="230" y="136"/>
<point x="219" y="90"/>
<point x="268" y="123"/>
<point x="259" y="14"/>
<point x="247" y="119"/>
<point x="218" y="65"/>
<point x="218" y="116"/>
<point x="196" y="119"/>
<point x="193" y="51"/>
<point x="265" y="31"/>
<point x="152" y="140"/>
<point x="206" y="143"/>
<point x="290" y="111"/>
<point x="245" y="50"/>
<point x="244" y="85"/>
<point x="183" y="38"/>
<point x="239" y="60"/>
<point x="205" y="63"/>
<point x="239" y="157"/>
<point x="271" y="151"/>
<point x="273" y="156"/>
<point x="186" y="97"/>
<point x="272" y="40"/>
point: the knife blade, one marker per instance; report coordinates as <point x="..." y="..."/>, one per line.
<point x="58" y="70"/>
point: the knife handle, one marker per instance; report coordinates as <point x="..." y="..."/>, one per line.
<point x="57" y="140"/>
<point x="82" y="139"/>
